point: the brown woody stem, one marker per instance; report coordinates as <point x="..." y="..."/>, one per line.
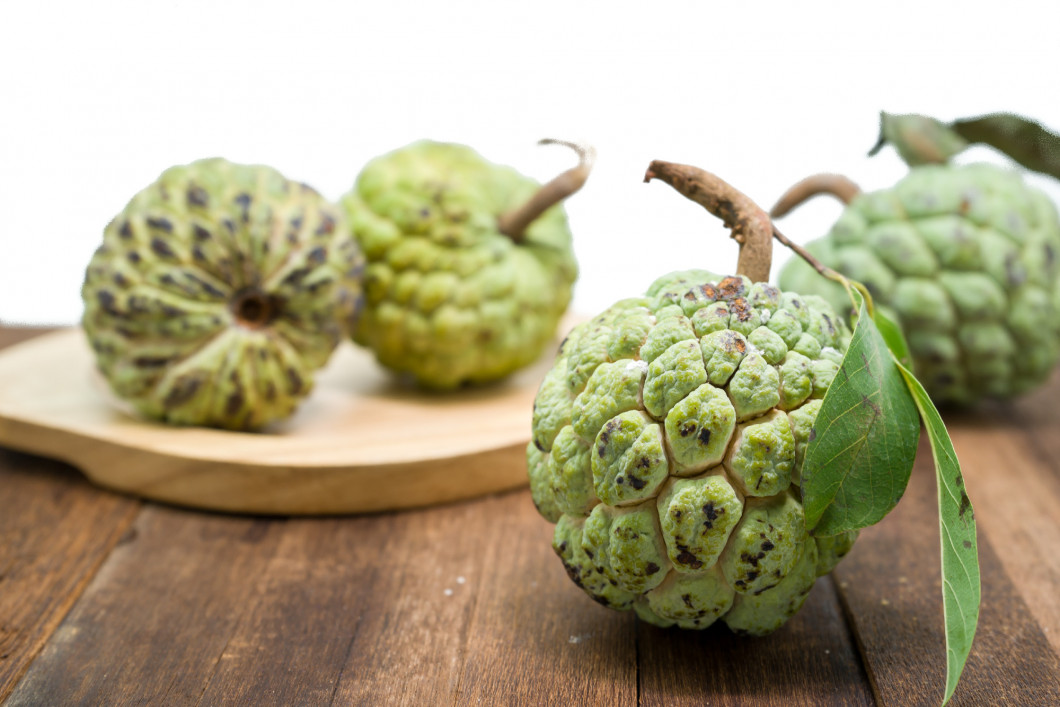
<point x="835" y="184"/>
<point x="823" y="269"/>
<point x="750" y="225"/>
<point x="514" y="223"/>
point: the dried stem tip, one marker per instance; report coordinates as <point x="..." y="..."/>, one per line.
<point x="514" y="223"/>
<point x="750" y="225"/>
<point x="835" y="184"/>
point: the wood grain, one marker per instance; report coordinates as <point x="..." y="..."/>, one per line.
<point x="359" y="443"/>
<point x="891" y="588"/>
<point x="1012" y="454"/>
<point x="104" y="600"/>
<point x="151" y="625"/>
<point x="55" y="531"/>
<point x="534" y="637"/>
<point x="811" y="660"/>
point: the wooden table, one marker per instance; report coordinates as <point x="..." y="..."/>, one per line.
<point x="107" y="600"/>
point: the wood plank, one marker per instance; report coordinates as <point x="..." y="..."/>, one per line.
<point x="355" y="611"/>
<point x="811" y="660"/>
<point x="534" y="637"/>
<point x="891" y="589"/>
<point x="55" y="531"/>
<point x="1011" y="458"/>
<point x="361" y="441"/>
<point x="151" y="625"/>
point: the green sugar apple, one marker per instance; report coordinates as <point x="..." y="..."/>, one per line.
<point x="667" y="446"/>
<point x="217" y="292"/>
<point x="967" y="260"/>
<point x="450" y="299"/>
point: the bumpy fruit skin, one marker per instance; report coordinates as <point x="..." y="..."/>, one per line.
<point x="967" y="259"/>
<point x="667" y="446"/>
<point x="217" y="292"/>
<point x="449" y="300"/>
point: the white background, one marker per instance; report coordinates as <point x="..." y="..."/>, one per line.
<point x="96" y="98"/>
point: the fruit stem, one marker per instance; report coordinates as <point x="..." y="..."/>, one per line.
<point x="824" y="270"/>
<point x="750" y="225"/>
<point x="514" y="223"/>
<point x="802" y="191"/>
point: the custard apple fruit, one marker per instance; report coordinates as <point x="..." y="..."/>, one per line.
<point x="667" y="446"/>
<point x="449" y="299"/>
<point x="967" y="260"/>
<point x="217" y="292"/>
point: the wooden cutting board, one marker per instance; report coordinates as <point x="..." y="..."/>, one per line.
<point x="360" y="442"/>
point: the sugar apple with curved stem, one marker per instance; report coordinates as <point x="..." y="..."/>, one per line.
<point x="217" y="292"/>
<point x="967" y="260"/>
<point x="469" y="263"/>
<point x="668" y="439"/>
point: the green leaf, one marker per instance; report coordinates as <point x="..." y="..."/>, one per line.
<point x="960" y="554"/>
<point x="864" y="440"/>
<point x="893" y="336"/>
<point x="1022" y="139"/>
<point x="920" y="139"/>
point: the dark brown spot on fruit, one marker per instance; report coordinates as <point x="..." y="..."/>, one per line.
<point x="182" y="391"/>
<point x="711" y="513"/>
<point x="295" y="380"/>
<point x="688" y="428"/>
<point x="687" y="599"/>
<point x="637" y="482"/>
<point x="651" y="568"/>
<point x="197" y="196"/>
<point x="730" y="288"/>
<point x="161" y="224"/>
<point x="740" y="309"/>
<point x="151" y="361"/>
<point x="295" y="277"/>
<point x="161" y="248"/>
<point x="687" y="559"/>
<point x="126" y="230"/>
<point x="200" y="233"/>
<point x="767" y="546"/>
<point x="106" y="301"/>
<point x="234" y="403"/>
<point x="704" y="436"/>
<point x="317" y="256"/>
<point x="327" y="226"/>
<point x="203" y="285"/>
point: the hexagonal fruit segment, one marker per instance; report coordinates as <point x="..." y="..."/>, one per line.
<point x="697" y="516"/>
<point x="628" y="459"/>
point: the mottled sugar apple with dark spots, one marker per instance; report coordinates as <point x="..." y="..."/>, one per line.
<point x="668" y="442"/>
<point x="967" y="260"/>
<point x="449" y="299"/>
<point x="217" y="292"/>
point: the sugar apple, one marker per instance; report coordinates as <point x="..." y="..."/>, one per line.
<point x="452" y="297"/>
<point x="967" y="259"/>
<point x="667" y="445"/>
<point x="217" y="292"/>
